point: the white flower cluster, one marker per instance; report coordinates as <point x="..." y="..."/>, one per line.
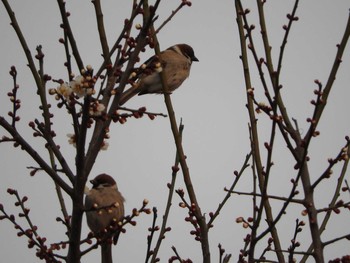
<point x="72" y="141"/>
<point x="80" y="86"/>
<point x="96" y="108"/>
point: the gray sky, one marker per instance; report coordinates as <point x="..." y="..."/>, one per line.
<point x="211" y="103"/>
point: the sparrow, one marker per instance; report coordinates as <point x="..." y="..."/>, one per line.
<point x="104" y="206"/>
<point x="175" y="62"/>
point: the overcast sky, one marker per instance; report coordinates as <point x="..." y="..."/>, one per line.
<point x="211" y="103"/>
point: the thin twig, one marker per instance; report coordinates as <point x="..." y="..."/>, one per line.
<point x="150" y="237"/>
<point x="275" y="197"/>
<point x="230" y="190"/>
<point x="163" y="229"/>
<point x="101" y="30"/>
<point x="68" y="29"/>
<point x="173" y="13"/>
<point x="347" y="236"/>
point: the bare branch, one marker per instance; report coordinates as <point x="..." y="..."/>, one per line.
<point x="26" y="146"/>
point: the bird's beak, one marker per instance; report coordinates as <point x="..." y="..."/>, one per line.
<point x="194" y="59"/>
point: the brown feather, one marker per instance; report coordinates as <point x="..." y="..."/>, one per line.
<point x="175" y="63"/>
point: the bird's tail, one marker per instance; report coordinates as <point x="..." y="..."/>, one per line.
<point x="106" y="252"/>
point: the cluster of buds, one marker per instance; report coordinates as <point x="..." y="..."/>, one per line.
<point x="269" y="244"/>
<point x="243" y="253"/>
<point x="139" y="113"/>
<point x="294" y="243"/>
<point x="344" y="259"/>
<point x="196" y="232"/>
<point x="34" y="240"/>
<point x="191" y="218"/>
<point x="13" y="97"/>
<point x="344" y="154"/>
<point x="129" y="219"/>
<point x="245" y="223"/>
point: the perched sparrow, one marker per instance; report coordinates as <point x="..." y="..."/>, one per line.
<point x="175" y="62"/>
<point x="104" y="206"/>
